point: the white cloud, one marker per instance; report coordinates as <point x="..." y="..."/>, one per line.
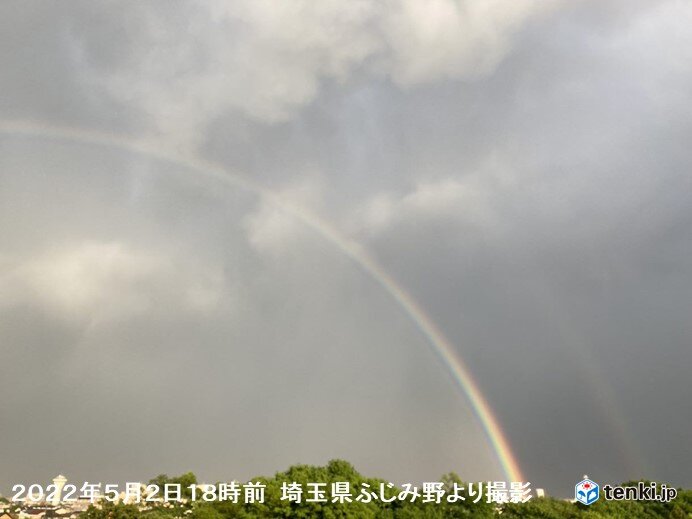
<point x="451" y="39"/>
<point x="99" y="282"/>
<point x="470" y="199"/>
<point x="266" y="59"/>
<point x="276" y="223"/>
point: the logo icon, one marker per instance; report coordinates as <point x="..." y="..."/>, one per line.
<point x="586" y="492"/>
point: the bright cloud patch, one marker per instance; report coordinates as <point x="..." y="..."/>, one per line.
<point x="101" y="282"/>
<point x="266" y="59"/>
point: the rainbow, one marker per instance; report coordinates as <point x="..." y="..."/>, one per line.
<point x="427" y="327"/>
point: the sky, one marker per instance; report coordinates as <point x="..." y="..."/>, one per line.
<point x="521" y="169"/>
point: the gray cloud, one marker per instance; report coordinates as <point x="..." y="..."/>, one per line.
<point x="524" y="172"/>
<point x="183" y="68"/>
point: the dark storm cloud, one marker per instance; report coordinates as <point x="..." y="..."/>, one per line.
<point x="525" y="173"/>
<point x="568" y="289"/>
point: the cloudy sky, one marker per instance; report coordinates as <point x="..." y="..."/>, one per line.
<point x="521" y="168"/>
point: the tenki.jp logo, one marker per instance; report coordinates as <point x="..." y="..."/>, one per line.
<point x="586" y="492"/>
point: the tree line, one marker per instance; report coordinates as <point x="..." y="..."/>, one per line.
<point x="341" y="471"/>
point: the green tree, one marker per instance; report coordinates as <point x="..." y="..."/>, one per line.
<point x="185" y="481"/>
